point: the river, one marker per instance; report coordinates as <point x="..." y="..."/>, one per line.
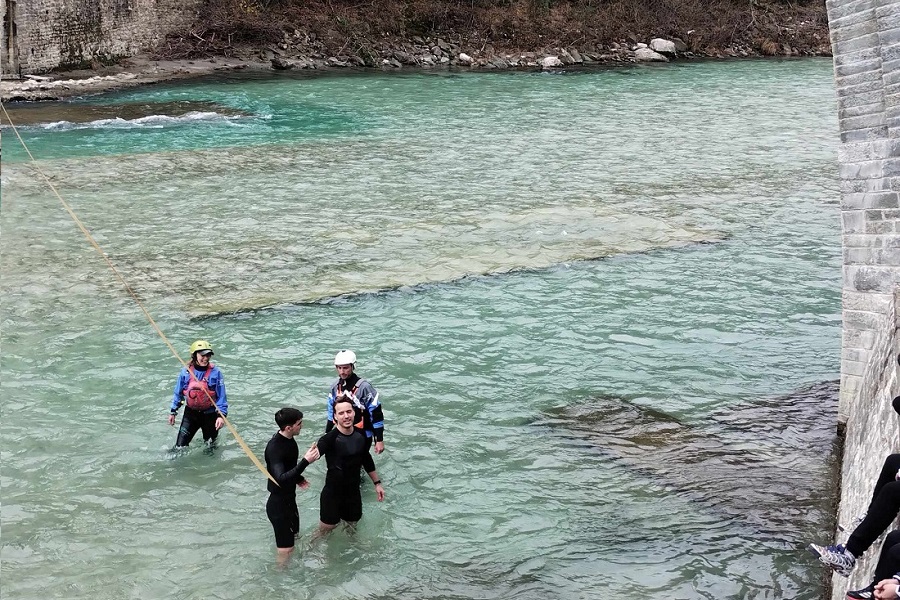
<point x="602" y="310"/>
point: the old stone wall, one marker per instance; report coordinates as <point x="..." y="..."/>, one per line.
<point x="865" y="39"/>
<point x="41" y="35"/>
<point x="871" y="434"/>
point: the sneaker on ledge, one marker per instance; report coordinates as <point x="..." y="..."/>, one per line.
<point x="867" y="593"/>
<point x="835" y="557"/>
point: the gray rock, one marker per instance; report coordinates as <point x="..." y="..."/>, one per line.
<point x="465" y="59"/>
<point x="680" y="45"/>
<point x="565" y="57"/>
<point x="404" y="58"/>
<point x="551" y="62"/>
<point x="640" y="46"/>
<point x="443" y="45"/>
<point x="648" y="55"/>
<point x="662" y="46"/>
<point x="576" y="56"/>
<point x="280" y="64"/>
<point x="500" y="63"/>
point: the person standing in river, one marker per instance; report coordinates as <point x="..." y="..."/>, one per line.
<point x="362" y="395"/>
<point x="201" y="388"/>
<point x="281" y="462"/>
<point x="345" y="448"/>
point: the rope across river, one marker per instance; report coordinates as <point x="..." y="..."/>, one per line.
<point x="132" y="293"/>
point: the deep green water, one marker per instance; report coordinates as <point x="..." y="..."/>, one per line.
<point x="588" y="300"/>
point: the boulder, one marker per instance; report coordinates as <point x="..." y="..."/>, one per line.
<point x="566" y="58"/>
<point x="680" y="45"/>
<point x="662" y="46"/>
<point x="640" y="46"/>
<point x="576" y="56"/>
<point x="280" y="64"/>
<point x="465" y="59"/>
<point x="648" y="55"/>
<point x="551" y="62"/>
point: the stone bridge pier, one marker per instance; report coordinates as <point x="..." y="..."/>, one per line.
<point x="865" y="39"/>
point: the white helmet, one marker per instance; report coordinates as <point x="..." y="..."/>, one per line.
<point x="345" y="357"/>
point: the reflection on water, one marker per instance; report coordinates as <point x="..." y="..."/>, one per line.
<point x="769" y="464"/>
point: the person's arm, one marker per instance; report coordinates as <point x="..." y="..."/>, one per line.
<point x="377" y="417"/>
<point x="221" y="398"/>
<point x="329" y="413"/>
<point x="177" y="398"/>
<point x="373" y="475"/>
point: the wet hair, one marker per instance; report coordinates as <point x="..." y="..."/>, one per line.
<point x="287" y="416"/>
<point x="341" y="399"/>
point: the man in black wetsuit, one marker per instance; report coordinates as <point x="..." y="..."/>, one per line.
<point x="346" y="449"/>
<point x="281" y="462"/>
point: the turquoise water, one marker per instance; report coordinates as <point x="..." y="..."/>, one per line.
<point x="510" y="255"/>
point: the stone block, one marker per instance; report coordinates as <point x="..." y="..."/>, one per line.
<point x="863" y="151"/>
<point x="839" y="9"/>
<point x="871" y="200"/>
<point x="863" y="170"/>
<point x="853" y="28"/>
<point x="871" y="97"/>
<point x="852" y="367"/>
<point x="862" y="122"/>
<point x="863" y="66"/>
<point x="858" y="55"/>
<point x="865" y="135"/>
<point x="862" y="109"/>
<point x="871" y="278"/>
<point x="853" y="221"/>
<point x="862" y="241"/>
<point x="867" y="301"/>
<point x="854" y="354"/>
<point x="857" y="338"/>
<point x="860" y="43"/>
<point x="861" y="256"/>
<point x="889" y="256"/>
<point x="878" y="227"/>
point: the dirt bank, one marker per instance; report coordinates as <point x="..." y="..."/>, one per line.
<point x="433" y="34"/>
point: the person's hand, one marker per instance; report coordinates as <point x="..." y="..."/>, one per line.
<point x="312" y="455"/>
<point x="219" y="423"/>
<point x="379" y="447"/>
<point x="171" y="418"/>
<point x="303" y="484"/>
<point x="379" y="489"/>
<point x="886" y="589"/>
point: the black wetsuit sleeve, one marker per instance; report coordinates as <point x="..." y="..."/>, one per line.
<point x="378" y="417"/>
<point x="368" y="463"/>
<point x="290" y="477"/>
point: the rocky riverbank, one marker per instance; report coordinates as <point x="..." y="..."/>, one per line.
<point x="302" y="51"/>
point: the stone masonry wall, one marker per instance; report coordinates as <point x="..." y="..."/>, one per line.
<point x="68" y="33"/>
<point x="865" y="39"/>
<point x="872" y="433"/>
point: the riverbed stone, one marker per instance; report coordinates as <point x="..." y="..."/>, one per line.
<point x="551" y="62"/>
<point x="648" y="55"/>
<point x="665" y="47"/>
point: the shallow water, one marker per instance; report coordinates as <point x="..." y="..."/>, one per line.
<point x="516" y="260"/>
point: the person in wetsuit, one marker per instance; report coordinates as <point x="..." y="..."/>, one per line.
<point x="369" y="415"/>
<point x="201" y="388"/>
<point x="281" y="462"/>
<point x="345" y="448"/>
